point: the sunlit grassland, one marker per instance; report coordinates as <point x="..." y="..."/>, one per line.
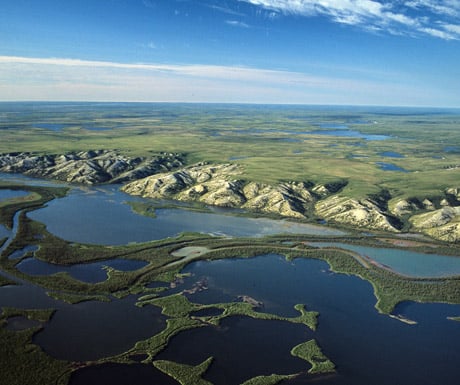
<point x="272" y="143"/>
<point x="254" y="136"/>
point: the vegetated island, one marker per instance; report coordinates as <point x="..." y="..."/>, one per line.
<point x="166" y="259"/>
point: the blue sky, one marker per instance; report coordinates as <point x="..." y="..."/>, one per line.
<point x="364" y="52"/>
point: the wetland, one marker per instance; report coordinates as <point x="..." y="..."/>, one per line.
<point x="97" y="285"/>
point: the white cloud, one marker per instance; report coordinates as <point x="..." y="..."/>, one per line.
<point x="390" y="16"/>
<point x="24" y="78"/>
<point x="236" y="23"/>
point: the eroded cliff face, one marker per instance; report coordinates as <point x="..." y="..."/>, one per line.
<point x="442" y="224"/>
<point x="89" y="167"/>
<point x="359" y="213"/>
<point x="219" y="185"/>
<point x="438" y="217"/>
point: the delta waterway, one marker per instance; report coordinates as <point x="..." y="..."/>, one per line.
<point x="367" y="347"/>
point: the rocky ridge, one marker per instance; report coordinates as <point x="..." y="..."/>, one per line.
<point x="216" y="185"/>
<point x="438" y="217"/>
<point x="361" y="213"/>
<point x="164" y="176"/>
<point x="89" y="167"/>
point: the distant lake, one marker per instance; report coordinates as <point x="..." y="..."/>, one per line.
<point x="390" y="167"/>
<point x="391" y="154"/>
<point x="350" y="134"/>
<point x="454" y="149"/>
<point x="51" y="126"/>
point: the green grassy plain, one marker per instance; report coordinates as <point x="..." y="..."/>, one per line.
<point x="271" y="143"/>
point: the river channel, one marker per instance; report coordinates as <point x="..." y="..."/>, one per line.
<point x="367" y="347"/>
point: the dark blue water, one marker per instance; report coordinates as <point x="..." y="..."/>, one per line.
<point x="390" y="167"/>
<point x="367" y="347"/>
<point x="113" y="374"/>
<point x="242" y="348"/>
<point x="92" y="330"/>
<point x="21" y="323"/>
<point x="88" y="272"/>
<point x="391" y="154"/>
<point x="92" y="128"/>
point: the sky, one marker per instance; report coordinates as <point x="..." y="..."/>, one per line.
<point x="340" y="52"/>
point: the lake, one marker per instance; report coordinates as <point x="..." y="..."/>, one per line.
<point x="390" y="167"/>
<point x="367" y="347"/>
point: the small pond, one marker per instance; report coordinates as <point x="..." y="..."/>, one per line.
<point x="452" y="149"/>
<point x="350" y="134"/>
<point x="390" y="167"/>
<point x="51" y="126"/>
<point x="22" y="252"/>
<point x="391" y="154"/>
<point x="87" y="272"/>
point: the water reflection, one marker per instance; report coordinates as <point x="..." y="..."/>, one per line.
<point x="101" y="215"/>
<point x="367" y="347"/>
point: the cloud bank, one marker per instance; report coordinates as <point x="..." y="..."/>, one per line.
<point x="438" y="19"/>
<point x="23" y="78"/>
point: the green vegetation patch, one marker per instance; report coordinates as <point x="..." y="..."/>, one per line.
<point x="272" y="379"/>
<point x="311" y="352"/>
<point x="73" y="299"/>
<point x="185" y="374"/>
